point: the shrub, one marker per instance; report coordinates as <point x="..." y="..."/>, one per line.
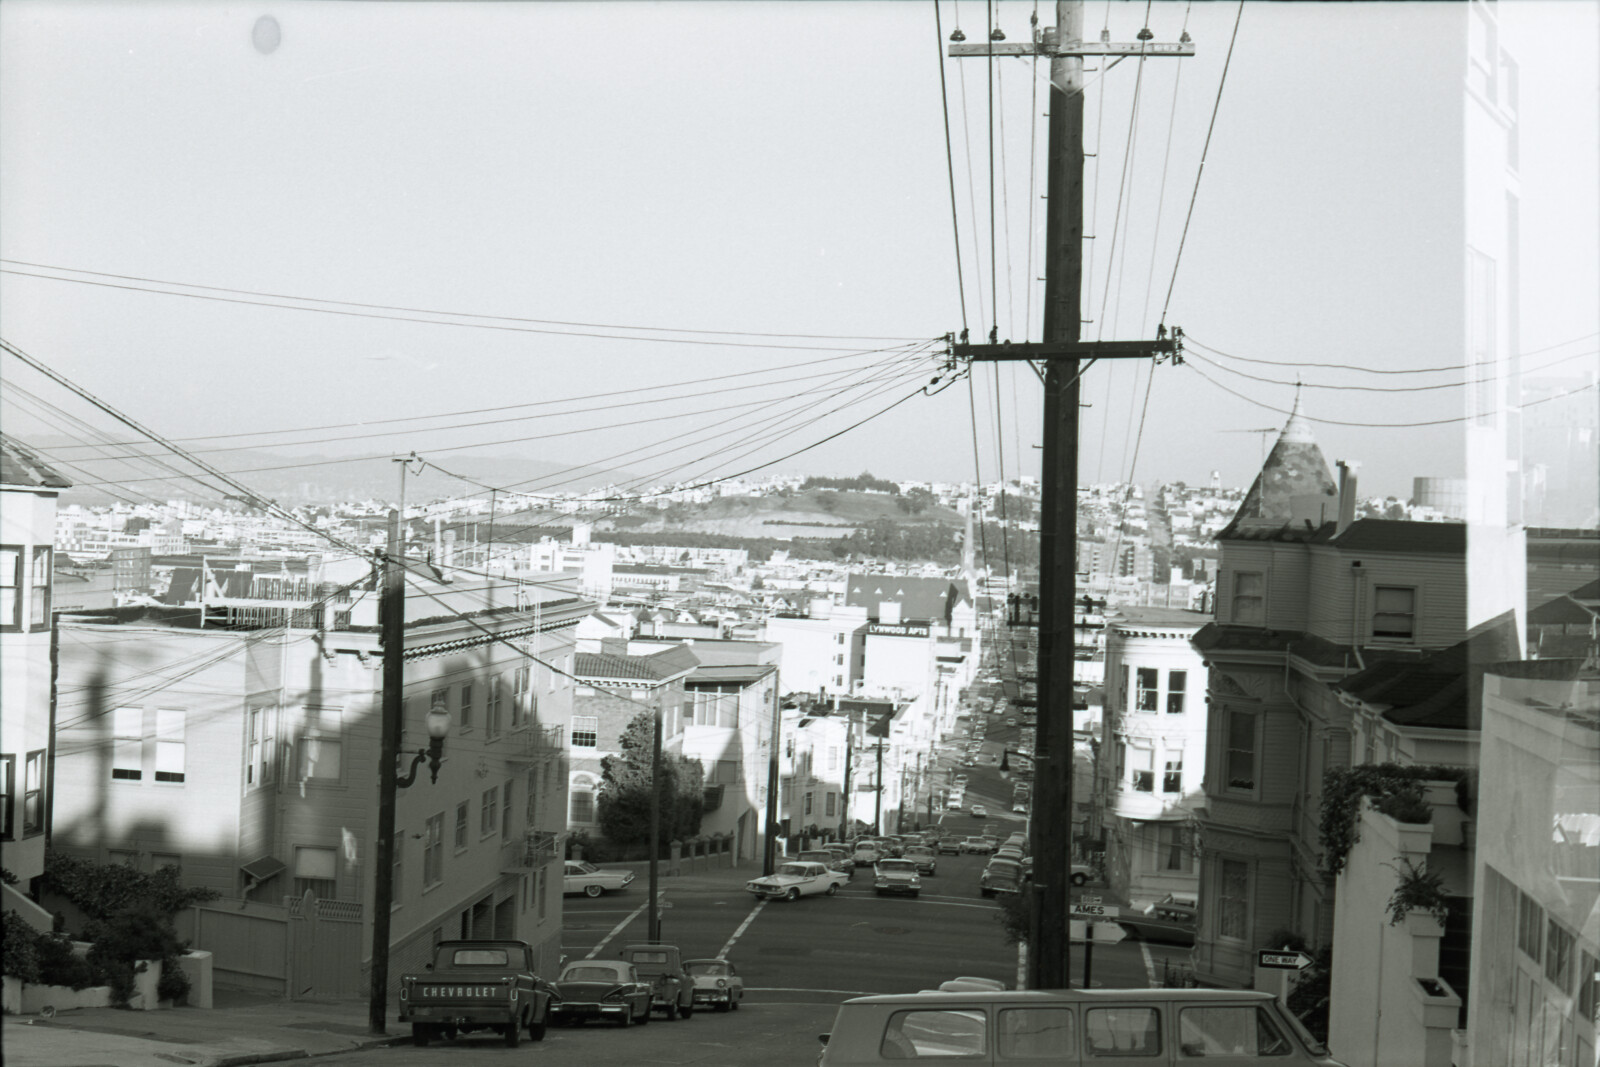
<point x="60" y="965"/>
<point x="1407" y="804"/>
<point x="21" y="949"/>
<point x="123" y="942"/>
<point x="104" y="889"/>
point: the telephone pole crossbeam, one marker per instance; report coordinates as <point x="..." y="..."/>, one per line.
<point x="1022" y="351"/>
<point x="1073" y="49"/>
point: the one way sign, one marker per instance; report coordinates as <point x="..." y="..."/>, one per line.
<point x="1283" y="961"/>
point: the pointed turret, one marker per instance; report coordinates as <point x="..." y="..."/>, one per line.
<point x="1294" y="484"/>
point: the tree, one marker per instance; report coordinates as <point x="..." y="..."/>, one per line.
<point x="624" y="800"/>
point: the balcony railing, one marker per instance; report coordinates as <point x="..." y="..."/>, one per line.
<point x="537" y="848"/>
<point x="535" y="744"/>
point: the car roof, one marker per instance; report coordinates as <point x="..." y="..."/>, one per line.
<point x="1045" y="996"/>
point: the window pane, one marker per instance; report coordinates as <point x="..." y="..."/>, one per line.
<point x="1122" y="1032"/>
<point x="1232" y="915"/>
<point x="1230" y="1031"/>
<point x="128" y="722"/>
<point x="319" y="863"/>
<point x="169" y="761"/>
<point x="935" y="1035"/>
<point x="1037" y="1034"/>
<point x="320" y="758"/>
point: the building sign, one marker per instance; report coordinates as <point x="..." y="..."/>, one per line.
<point x="898" y="629"/>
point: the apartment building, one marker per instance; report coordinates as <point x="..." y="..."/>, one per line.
<point x="28" y="492"/>
<point x="244" y="755"/>
<point x="1306" y="596"/>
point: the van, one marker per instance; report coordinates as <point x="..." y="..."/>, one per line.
<point x="1073" y="1028"/>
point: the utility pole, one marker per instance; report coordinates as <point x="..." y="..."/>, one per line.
<point x="1049" y="963"/>
<point x="845" y="821"/>
<point x="877" y="810"/>
<point x="392" y="619"/>
<point x="655" y="823"/>
<point x="769" y="852"/>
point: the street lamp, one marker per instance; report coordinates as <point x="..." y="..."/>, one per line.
<point x="438" y="720"/>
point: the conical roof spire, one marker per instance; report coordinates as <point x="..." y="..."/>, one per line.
<point x="1294" y="469"/>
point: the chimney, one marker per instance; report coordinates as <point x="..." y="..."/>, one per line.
<point x="1347" y="495"/>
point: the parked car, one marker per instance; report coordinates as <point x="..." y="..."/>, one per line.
<point x="1018" y="840"/>
<point x="1081" y="873"/>
<point x="979" y="811"/>
<point x="828" y="859"/>
<point x="977" y="845"/>
<point x="601" y="989"/>
<point x="1008" y="852"/>
<point x="1011" y="721"/>
<point x="866" y="853"/>
<point x="897" y="876"/>
<point x="961" y="779"/>
<point x="847" y="862"/>
<point x="1019" y="806"/>
<point x="591" y="881"/>
<point x="716" y="982"/>
<point x="477" y="985"/>
<point x="661" y="966"/>
<point x="1171" y="921"/>
<point x="791" y="881"/>
<point x="925" y="857"/>
<point x="1001" y="876"/>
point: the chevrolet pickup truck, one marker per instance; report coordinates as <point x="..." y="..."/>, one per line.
<point x="477" y="985"/>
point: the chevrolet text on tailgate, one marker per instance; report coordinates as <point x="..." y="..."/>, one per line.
<point x="476" y="985"/>
<point x="1072" y="1027"/>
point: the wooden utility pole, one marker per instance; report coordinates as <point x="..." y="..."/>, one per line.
<point x="769" y="851"/>
<point x="392" y="621"/>
<point x="654" y="926"/>
<point x="1049" y="964"/>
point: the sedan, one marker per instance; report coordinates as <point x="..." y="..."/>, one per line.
<point x="979" y="811"/>
<point x="716" y="982"/>
<point x="795" y="880"/>
<point x="1171" y="921"/>
<point x="952" y="845"/>
<point x="600" y="989"/>
<point x="1008" y="852"/>
<point x="1001" y="876"/>
<point x="591" y="881"/>
<point x="827" y="859"/>
<point x="978" y="845"/>
<point x="897" y="876"/>
<point x="925" y="857"/>
<point x="866" y="853"/>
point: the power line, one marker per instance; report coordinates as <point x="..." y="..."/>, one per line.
<point x="1447" y="368"/>
<point x="434" y="311"/>
<point x="1384" y="388"/>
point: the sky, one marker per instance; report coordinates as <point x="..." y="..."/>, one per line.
<point x="729" y="226"/>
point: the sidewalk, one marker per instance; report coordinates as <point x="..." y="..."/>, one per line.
<point x="243" y="1028"/>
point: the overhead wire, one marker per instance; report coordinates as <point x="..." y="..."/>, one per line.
<point x="972" y="202"/>
<point x="1384" y="388"/>
<point x="1446" y="368"/>
<point x="950" y="166"/>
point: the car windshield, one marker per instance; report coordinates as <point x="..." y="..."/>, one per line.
<point x="591" y="972"/>
<point x="480" y="957"/>
<point x="794" y="868"/>
<point x="920" y="850"/>
<point x="818" y="857"/>
<point x="586" y="868"/>
<point x="1004" y="867"/>
<point x="897" y="865"/>
<point x="706" y="967"/>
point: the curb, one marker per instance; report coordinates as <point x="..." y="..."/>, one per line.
<point x="247" y="1059"/>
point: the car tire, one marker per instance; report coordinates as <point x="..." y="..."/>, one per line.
<point x="672" y="1012"/>
<point x="726" y="1005"/>
<point x="1079" y="879"/>
<point x="880" y="892"/>
<point x="420" y="1034"/>
<point x="833" y="888"/>
<point x="536" y="1031"/>
<point x="593" y="890"/>
<point x="736" y="1002"/>
<point x="644" y="1016"/>
<point x="916" y="893"/>
<point x="625" y="1020"/>
<point x="686" y="1011"/>
<point x="792" y="894"/>
<point x="513" y="1032"/>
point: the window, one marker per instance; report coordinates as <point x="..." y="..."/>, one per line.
<point x="1122" y="1032"/>
<point x="828" y="803"/>
<point x="1588" y="979"/>
<point x="1530" y="927"/>
<point x="505" y="809"/>
<point x="10" y="587"/>
<point x="1394" y="612"/>
<point x="539" y="892"/>
<point x="520" y="698"/>
<point x="1172" y="780"/>
<point x="159" y="860"/>
<point x="1149" y="689"/>
<point x="491" y="711"/>
<point x="1557" y="957"/>
<point x="833" y="757"/>
<point x="1172" y="850"/>
<point x="807" y="810"/>
<point x="1230" y="1031"/>
<point x="8" y="798"/>
<point x="585" y="731"/>
<point x="39" y="588"/>
<point x="259" y="756"/>
<point x="915" y="1035"/>
<point x="1177" y="682"/>
<point x="433" y="851"/>
<point x="582" y="801"/>
<point x="169" y="744"/>
<point x="1037" y="1034"/>
<point x="1241" y="754"/>
<point x="33" y="794"/>
<point x="321" y="745"/>
<point x="1142" y="763"/>
<point x="489" y="811"/>
<point x="464" y="716"/>
<point x="122" y="858"/>
<point x="1233" y="903"/>
<point x="462" y="812"/>
<point x="1127" y="686"/>
<point x="317" y="869"/>
<point x="127" y="746"/>
<point x="1249" y="598"/>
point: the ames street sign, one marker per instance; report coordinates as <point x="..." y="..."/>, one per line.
<point x="1283" y="960"/>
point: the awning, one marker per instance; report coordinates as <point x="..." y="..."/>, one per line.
<point x="262" y="869"/>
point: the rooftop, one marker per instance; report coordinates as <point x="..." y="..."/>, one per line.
<point x="20" y="466"/>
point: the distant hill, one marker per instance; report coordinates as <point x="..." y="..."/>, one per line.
<point x="807" y="513"/>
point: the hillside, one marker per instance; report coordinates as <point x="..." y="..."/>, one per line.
<point x="811" y="513"/>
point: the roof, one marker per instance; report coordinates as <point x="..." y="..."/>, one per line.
<point x="1397" y="535"/>
<point x="1294" y="468"/>
<point x="618" y="666"/>
<point x="1438" y="690"/>
<point x="924" y="599"/>
<point x="1157" y="616"/>
<point x="20" y="466"/>
<point x="752" y="672"/>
